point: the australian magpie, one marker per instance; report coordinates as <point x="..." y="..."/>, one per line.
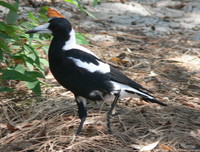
<point x="84" y="74"/>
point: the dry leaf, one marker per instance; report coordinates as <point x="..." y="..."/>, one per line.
<point x="18" y="61"/>
<point x="106" y="44"/>
<point x="145" y="148"/>
<point x="28" y="124"/>
<point x="166" y="147"/>
<point x="178" y="6"/>
<point x="119" y="60"/>
<point x="11" y="128"/>
<point x="150" y="146"/>
<point x="189" y="105"/>
<point x="2" y="125"/>
<point x="195" y="134"/>
<point x="153" y="74"/>
<point x="53" y="13"/>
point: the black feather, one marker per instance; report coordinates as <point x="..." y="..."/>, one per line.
<point x="117" y="76"/>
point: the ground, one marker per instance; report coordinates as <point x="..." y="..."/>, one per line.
<point x="155" y="43"/>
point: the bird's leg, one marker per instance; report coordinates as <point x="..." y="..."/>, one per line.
<point x="82" y="111"/>
<point x="117" y="95"/>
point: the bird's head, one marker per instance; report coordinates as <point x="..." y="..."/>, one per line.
<point x="56" y="26"/>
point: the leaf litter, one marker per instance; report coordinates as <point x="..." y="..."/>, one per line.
<point x="168" y="65"/>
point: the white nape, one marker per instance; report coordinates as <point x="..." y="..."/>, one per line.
<point x="71" y="44"/>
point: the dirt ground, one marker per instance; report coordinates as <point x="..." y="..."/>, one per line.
<point x="166" y="63"/>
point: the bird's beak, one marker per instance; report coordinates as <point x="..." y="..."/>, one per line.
<point x="40" y="29"/>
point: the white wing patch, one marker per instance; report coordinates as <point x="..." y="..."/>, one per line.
<point x="123" y="88"/>
<point x="102" y="67"/>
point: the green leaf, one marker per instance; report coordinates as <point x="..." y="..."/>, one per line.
<point x="45" y="62"/>
<point x="81" y="39"/>
<point x="78" y="4"/>
<point x="11" y="74"/>
<point x="29" y="62"/>
<point x="42" y="16"/>
<point x="91" y="15"/>
<point x="13" y="48"/>
<point x="32" y="57"/>
<point x="34" y="74"/>
<point x="31" y="16"/>
<point x="20" y="73"/>
<point x="2" y="26"/>
<point x="10" y="30"/>
<point x="27" y="26"/>
<point x="3" y="36"/>
<point x="20" y="68"/>
<point x="29" y="50"/>
<point x="29" y="65"/>
<point x="43" y="10"/>
<point x="12" y="16"/>
<point x="3" y="46"/>
<point x="1" y="54"/>
<point x="5" y="89"/>
<point x="7" y="31"/>
<point x="95" y="2"/>
<point x="45" y="48"/>
<point x="75" y="2"/>
<point x="9" y="6"/>
<point x="35" y="87"/>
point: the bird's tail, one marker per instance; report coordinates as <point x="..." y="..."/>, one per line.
<point x="146" y="97"/>
<point x="153" y="100"/>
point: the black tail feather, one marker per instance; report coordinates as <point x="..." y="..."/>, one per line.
<point x="148" y="97"/>
<point x="154" y="101"/>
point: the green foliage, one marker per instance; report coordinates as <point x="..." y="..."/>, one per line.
<point x="81" y="39"/>
<point x="20" y="53"/>
<point x="96" y="2"/>
<point x="5" y="89"/>
<point x="12" y="16"/>
<point x="10" y="7"/>
<point x="19" y="56"/>
<point x="78" y="4"/>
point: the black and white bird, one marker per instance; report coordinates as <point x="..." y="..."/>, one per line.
<point x="84" y="74"/>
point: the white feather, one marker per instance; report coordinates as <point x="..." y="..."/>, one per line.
<point x="102" y="67"/>
<point x="119" y="86"/>
<point x="71" y="44"/>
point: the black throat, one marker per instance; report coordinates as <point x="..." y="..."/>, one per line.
<point x="56" y="51"/>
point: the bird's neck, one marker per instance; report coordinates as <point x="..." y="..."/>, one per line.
<point x="71" y="42"/>
<point x="72" y="39"/>
<point x="65" y="41"/>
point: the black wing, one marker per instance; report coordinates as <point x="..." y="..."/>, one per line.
<point x="121" y="78"/>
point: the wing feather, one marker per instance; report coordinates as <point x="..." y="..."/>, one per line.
<point x="117" y="76"/>
<point x="87" y="61"/>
